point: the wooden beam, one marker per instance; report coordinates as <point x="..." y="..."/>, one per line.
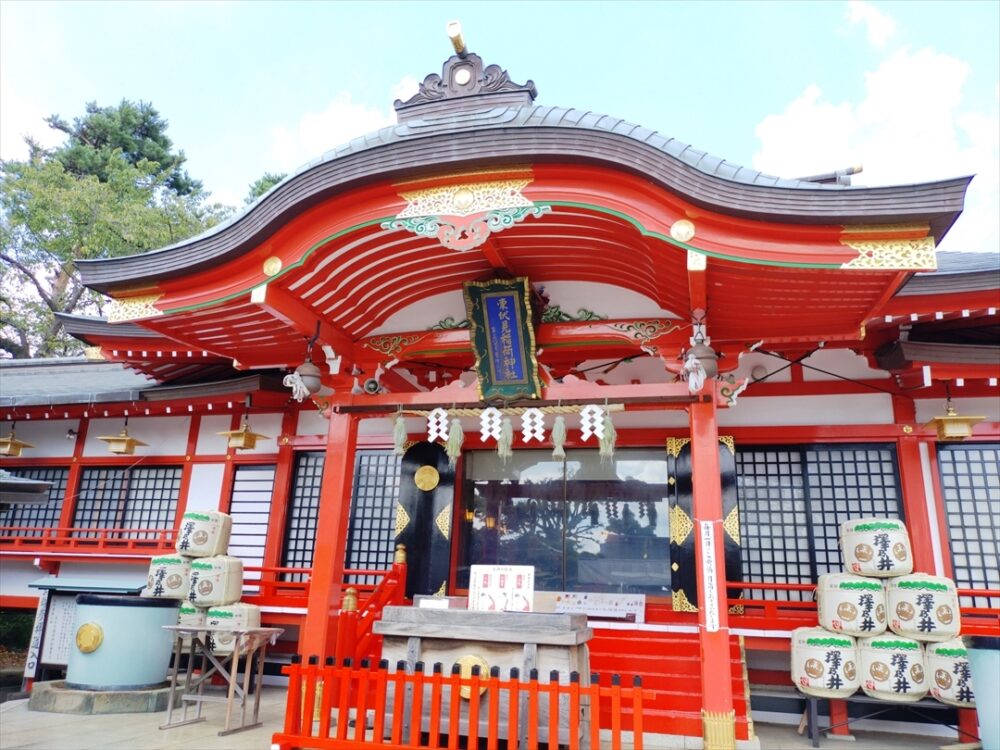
<point x="284" y="307"/>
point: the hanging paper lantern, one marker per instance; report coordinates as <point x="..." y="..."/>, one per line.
<point x="437" y="425"/>
<point x="455" y="437"/>
<point x="559" y="437"/>
<point x="489" y="423"/>
<point x="533" y="425"/>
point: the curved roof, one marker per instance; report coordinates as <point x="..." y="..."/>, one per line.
<point x="440" y="132"/>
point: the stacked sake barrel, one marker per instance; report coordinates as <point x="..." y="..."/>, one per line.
<point x="874" y="621"/>
<point x="208" y="581"/>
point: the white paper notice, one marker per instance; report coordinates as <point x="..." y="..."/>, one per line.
<point x="711" y="585"/>
<point x="502" y="588"/>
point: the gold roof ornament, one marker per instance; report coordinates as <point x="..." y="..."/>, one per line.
<point x="122" y="444"/>
<point x="244" y="438"/>
<point x="10" y="446"/>
<point x="951" y="426"/>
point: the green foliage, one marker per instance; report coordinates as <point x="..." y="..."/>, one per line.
<point x="15" y="629"/>
<point x="135" y="130"/>
<point x="91" y="198"/>
<point x="262" y="185"/>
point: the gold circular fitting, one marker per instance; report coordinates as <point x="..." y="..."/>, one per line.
<point x="272" y="265"/>
<point x="682" y="230"/>
<point x="466" y="663"/>
<point x="907" y="429"/>
<point x="89" y="637"/>
<point x="463" y="198"/>
<point x="426" y="478"/>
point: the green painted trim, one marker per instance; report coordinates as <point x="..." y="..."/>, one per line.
<point x="901" y="645"/>
<point x="188" y="609"/>
<point x="201" y="566"/>
<point x="860" y="586"/>
<point x="219" y="613"/>
<point x="168" y="561"/>
<point x="953" y="652"/>
<point x="670" y="240"/>
<point x="923" y="585"/>
<point x="829" y="642"/>
<point x="878" y="526"/>
<point x="197" y="516"/>
<point x="302" y="259"/>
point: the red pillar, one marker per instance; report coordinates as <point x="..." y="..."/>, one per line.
<point x="718" y="716"/>
<point x="331" y="535"/>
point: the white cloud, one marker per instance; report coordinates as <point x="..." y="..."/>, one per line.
<point x="20" y="117"/>
<point x="343" y="119"/>
<point x="878" y="25"/>
<point x="912" y="125"/>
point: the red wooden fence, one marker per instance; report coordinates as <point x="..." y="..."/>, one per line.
<point x="395" y="710"/>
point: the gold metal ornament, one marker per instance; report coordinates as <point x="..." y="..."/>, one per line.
<point x="443" y="522"/>
<point x="272" y="266"/>
<point x="466" y="663"/>
<point x="426" y="478"/>
<point x="402" y="521"/>
<point x="680" y="525"/>
<point x="89" y="637"/>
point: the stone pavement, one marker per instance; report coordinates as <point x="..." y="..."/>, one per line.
<point x="21" y="729"/>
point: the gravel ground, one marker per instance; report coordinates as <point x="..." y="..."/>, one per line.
<point x="12" y="660"/>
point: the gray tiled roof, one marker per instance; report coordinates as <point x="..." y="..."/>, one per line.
<point x="66" y="380"/>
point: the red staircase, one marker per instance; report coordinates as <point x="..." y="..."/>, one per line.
<point x="670" y="668"/>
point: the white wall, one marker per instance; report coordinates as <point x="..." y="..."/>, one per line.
<point x="17" y="573"/>
<point x="864" y="408"/>
<point x="928" y="408"/>
<point x="97" y="572"/>
<point x="210" y="442"/>
<point x="206" y="486"/>
<point x="47" y="435"/>
<point x="165" y="436"/>
<point x="311" y="422"/>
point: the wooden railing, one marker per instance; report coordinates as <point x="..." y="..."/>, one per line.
<point x="771" y="614"/>
<point x="88" y="540"/>
<point x="429" y="709"/>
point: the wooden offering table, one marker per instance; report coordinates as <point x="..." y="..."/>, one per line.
<point x="250" y="643"/>
<point x="523" y="640"/>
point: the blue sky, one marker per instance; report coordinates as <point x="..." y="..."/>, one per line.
<point x="908" y="89"/>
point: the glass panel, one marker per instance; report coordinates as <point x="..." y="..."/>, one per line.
<point x="37" y="515"/>
<point x="584" y="525"/>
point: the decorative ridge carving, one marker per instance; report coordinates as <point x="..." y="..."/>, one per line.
<point x="464" y="78"/>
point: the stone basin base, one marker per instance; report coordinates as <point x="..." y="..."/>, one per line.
<point x="55" y="697"/>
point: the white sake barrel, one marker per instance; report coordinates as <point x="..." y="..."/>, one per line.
<point x="190" y="616"/>
<point x="204" y="533"/>
<point x="892" y="668"/>
<point x="824" y="664"/>
<point x="948" y="672"/>
<point x="237" y="616"/>
<point x="877" y="547"/>
<point x="851" y="604"/>
<point x="169" y="578"/>
<point x="924" y="607"/>
<point x="216" y="581"/>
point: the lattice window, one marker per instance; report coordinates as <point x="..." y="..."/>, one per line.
<point x="134" y="498"/>
<point x="373" y="513"/>
<point x="303" y="509"/>
<point x="970" y="485"/>
<point x="250" y="507"/>
<point x="793" y="500"/>
<point x="40" y="514"/>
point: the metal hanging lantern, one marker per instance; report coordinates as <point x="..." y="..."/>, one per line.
<point x="244" y="438"/>
<point x="122" y="444"/>
<point x="10" y="446"/>
<point x="951" y="426"/>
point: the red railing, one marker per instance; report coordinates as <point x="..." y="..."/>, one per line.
<point x="273" y="587"/>
<point x="88" y="540"/>
<point x="771" y="614"/>
<point x="417" y="708"/>
<point x="355" y="639"/>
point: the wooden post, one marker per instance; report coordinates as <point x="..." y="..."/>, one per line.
<point x="718" y="715"/>
<point x="331" y="534"/>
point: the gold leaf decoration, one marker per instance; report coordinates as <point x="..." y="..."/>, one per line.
<point x="732" y="524"/>
<point x="402" y="519"/>
<point x="676" y="445"/>
<point x="132" y="308"/>
<point x="443" y="521"/>
<point x="727" y="440"/>
<point x="680" y="525"/>
<point x="680" y="602"/>
<point x="466" y="199"/>
<point x="896" y="255"/>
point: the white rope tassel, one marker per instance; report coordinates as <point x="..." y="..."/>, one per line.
<point x="533" y="425"/>
<point x="607" y="441"/>
<point x="437" y="425"/>
<point x="455" y="437"/>
<point x="506" y="439"/>
<point x="489" y="423"/>
<point x="294" y="381"/>
<point x="399" y="436"/>
<point x="559" y="437"/>
<point x="695" y="373"/>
